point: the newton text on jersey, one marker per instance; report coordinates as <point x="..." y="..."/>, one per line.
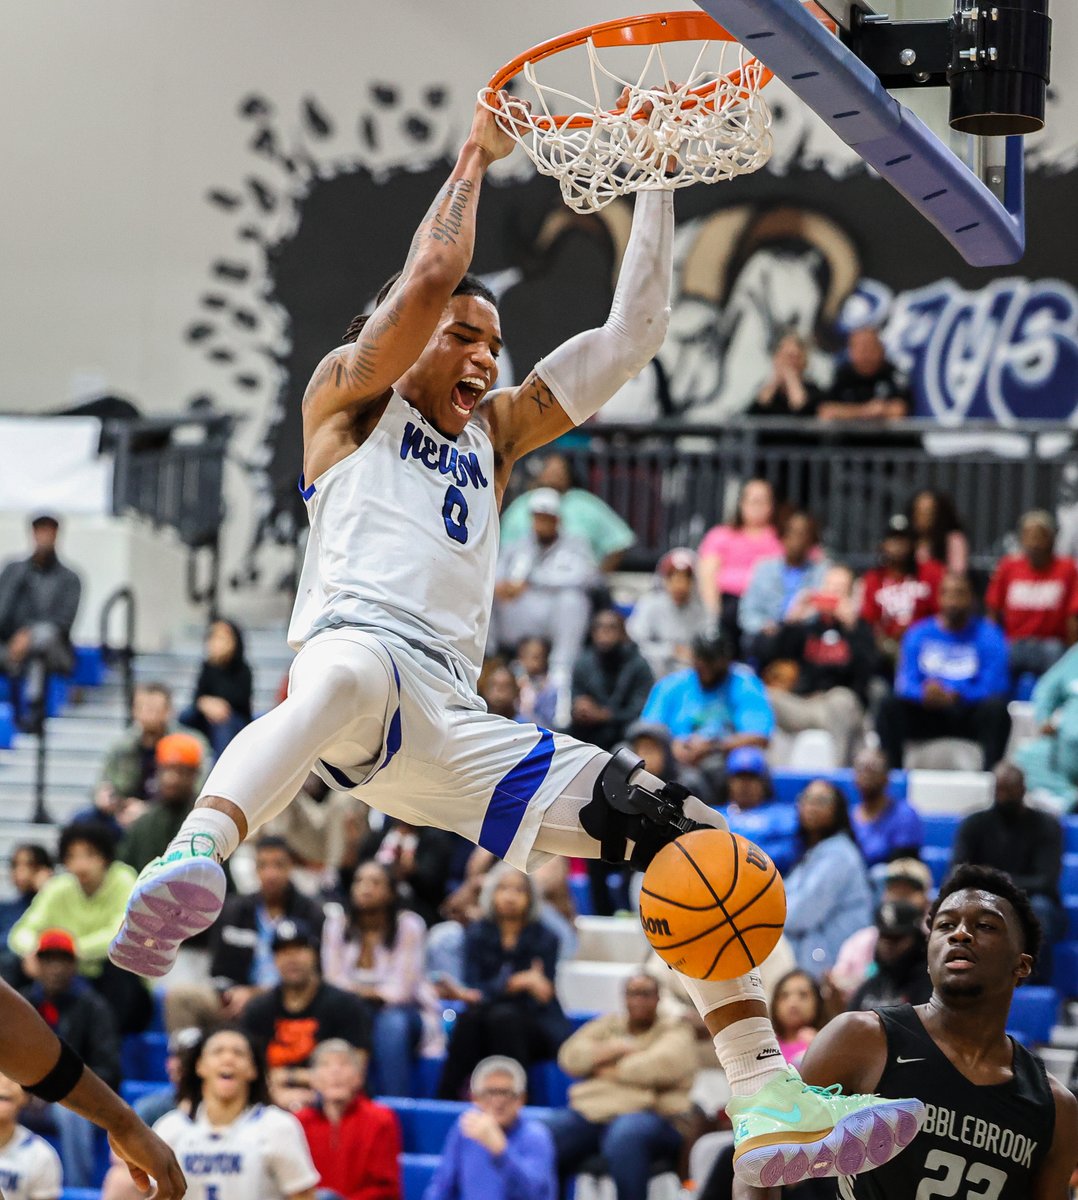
<point x="462" y="468"/>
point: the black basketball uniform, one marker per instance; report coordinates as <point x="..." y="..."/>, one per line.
<point x="977" y="1142"/>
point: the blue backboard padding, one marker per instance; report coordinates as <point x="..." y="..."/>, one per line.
<point x="830" y="79"/>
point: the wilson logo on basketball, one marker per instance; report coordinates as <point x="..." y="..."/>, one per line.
<point x="757" y="858"/>
<point x="656" y="925"/>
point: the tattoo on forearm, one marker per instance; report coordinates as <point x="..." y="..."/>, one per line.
<point x="540" y="395"/>
<point x="447" y="228"/>
<point x="438" y="227"/>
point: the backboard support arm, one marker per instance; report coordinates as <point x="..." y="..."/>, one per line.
<point x="985" y="224"/>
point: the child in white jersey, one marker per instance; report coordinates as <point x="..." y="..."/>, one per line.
<point x="29" y="1167"/>
<point x="232" y="1143"/>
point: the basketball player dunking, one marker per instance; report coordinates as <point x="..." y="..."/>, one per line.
<point x="407" y="453"/>
<point x="998" y="1126"/>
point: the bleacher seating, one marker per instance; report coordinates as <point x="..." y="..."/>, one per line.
<point x="1034" y="1012"/>
<point x="610" y="948"/>
<point x="416" y="1172"/>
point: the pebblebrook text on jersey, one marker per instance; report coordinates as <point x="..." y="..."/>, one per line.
<point x="463" y="468"/>
<point x="981" y="1134"/>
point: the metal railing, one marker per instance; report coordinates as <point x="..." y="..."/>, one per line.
<point x="123" y="654"/>
<point x="171" y="470"/>
<point x="672" y="481"/>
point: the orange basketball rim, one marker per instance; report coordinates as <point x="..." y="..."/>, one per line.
<point x="649" y="29"/>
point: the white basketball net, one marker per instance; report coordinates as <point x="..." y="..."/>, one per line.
<point x="687" y="138"/>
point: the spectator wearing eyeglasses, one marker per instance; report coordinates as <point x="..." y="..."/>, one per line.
<point x="494" y="1152"/>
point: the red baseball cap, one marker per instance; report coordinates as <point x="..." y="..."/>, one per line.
<point x="56" y="941"/>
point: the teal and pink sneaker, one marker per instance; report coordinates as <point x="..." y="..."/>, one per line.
<point x="174" y="898"/>
<point x="789" y="1131"/>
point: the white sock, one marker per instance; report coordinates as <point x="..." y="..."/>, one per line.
<point x="208" y="823"/>
<point x="749" y="1053"/>
<point x="748" y="1049"/>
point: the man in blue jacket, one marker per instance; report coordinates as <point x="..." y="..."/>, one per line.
<point x="711" y="708"/>
<point x="952" y="680"/>
<point x="493" y="1152"/>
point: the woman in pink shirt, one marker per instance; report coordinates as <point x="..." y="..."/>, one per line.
<point x="377" y="950"/>
<point x="797" y="1012"/>
<point x="729" y="552"/>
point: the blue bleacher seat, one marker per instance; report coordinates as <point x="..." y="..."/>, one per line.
<point x="938" y="860"/>
<point x="142" y="1056"/>
<point x="80" y="1194"/>
<point x="55" y="694"/>
<point x="580" y="890"/>
<point x="7" y="726"/>
<point x="425" y="1124"/>
<point x="940" y="829"/>
<point x="790" y="784"/>
<point x="548" y="1084"/>
<point x="133" y="1090"/>
<point x="1068" y="882"/>
<point x="1070" y="903"/>
<point x="416" y="1172"/>
<point x="89" y="667"/>
<point x="1033" y="1013"/>
<point x="1065" y="968"/>
<point x="426" y="1075"/>
<point x="1070" y="834"/>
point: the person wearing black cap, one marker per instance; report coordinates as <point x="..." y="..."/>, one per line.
<point x="898" y="592"/>
<point x="899" y="973"/>
<point x="39" y="599"/>
<point x="301" y="1011"/>
<point x="712" y="707"/>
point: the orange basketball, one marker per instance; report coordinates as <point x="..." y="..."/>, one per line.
<point x="712" y="904"/>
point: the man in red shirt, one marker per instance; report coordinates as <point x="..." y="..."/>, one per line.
<point x="1033" y="596"/>
<point x="354" y="1142"/>
<point x="899" y="592"/>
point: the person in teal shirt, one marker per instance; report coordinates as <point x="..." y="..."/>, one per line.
<point x="582" y="515"/>
<point x="1050" y="762"/>
<point x="711" y="708"/>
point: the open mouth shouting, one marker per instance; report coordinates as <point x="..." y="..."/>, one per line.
<point x="467" y="393"/>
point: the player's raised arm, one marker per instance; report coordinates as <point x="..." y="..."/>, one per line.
<point x="33" y="1056"/>
<point x="574" y="381"/>
<point x="355" y="375"/>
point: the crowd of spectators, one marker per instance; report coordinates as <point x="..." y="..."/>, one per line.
<point x="362" y="948"/>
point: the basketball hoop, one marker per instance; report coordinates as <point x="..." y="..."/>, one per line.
<point x="713" y="125"/>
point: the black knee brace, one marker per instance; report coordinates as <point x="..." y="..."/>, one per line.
<point x="621" y="811"/>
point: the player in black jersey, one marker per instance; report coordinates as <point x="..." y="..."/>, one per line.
<point x="999" y="1127"/>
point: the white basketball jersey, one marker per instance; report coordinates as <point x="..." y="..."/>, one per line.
<point x="262" y="1155"/>
<point x="29" y="1168"/>
<point x="404" y="539"/>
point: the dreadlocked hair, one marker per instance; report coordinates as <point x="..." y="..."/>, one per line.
<point x="470" y="285"/>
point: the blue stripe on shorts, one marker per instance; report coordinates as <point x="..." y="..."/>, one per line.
<point x="513" y="794"/>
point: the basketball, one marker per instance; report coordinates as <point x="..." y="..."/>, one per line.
<point x="712" y="904"/>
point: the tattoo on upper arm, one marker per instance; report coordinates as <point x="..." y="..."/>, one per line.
<point x="539" y="394"/>
<point x="351" y="368"/>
